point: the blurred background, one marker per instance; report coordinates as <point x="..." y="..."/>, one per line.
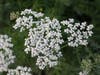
<point x="80" y="10"/>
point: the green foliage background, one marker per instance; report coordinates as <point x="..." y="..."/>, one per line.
<point x="80" y="10"/>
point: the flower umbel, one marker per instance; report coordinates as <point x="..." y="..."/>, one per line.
<point x="78" y="33"/>
<point x="44" y="42"/>
<point x="27" y="19"/>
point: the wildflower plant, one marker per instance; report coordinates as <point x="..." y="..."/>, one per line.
<point x="43" y="41"/>
<point x="44" y="37"/>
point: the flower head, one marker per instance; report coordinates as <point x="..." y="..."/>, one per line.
<point x="44" y="42"/>
<point x="27" y="19"/>
<point x="78" y="33"/>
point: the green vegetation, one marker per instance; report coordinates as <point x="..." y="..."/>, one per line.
<point x="74" y="59"/>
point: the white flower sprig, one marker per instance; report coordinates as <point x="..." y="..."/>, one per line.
<point x="44" y="42"/>
<point x="27" y="19"/>
<point x="78" y="33"/>
<point x="6" y="55"/>
<point x="44" y="38"/>
<point x="20" y="71"/>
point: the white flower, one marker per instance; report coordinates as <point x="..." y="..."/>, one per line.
<point x="6" y="55"/>
<point x="78" y="34"/>
<point x="19" y="71"/>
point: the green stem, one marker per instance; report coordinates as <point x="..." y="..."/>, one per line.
<point x="63" y="46"/>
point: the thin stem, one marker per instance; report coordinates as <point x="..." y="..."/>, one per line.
<point x="78" y="56"/>
<point x="63" y="46"/>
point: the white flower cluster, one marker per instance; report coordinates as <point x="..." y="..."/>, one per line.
<point x="44" y="36"/>
<point x="44" y="42"/>
<point x="83" y="73"/>
<point x="27" y="19"/>
<point x="19" y="71"/>
<point x="6" y="55"/>
<point x="78" y="33"/>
